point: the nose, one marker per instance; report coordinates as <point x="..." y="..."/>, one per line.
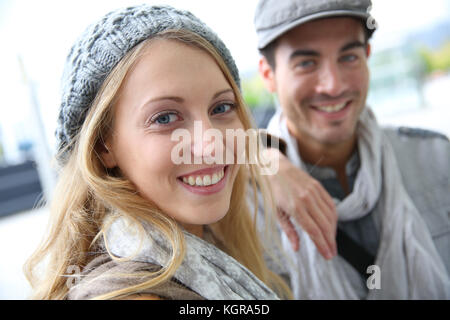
<point x="330" y="80"/>
<point x="207" y="143"/>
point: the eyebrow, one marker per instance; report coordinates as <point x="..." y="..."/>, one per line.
<point x="301" y="52"/>
<point x="222" y="92"/>
<point x="353" y="45"/>
<point x="313" y="53"/>
<point x="180" y="99"/>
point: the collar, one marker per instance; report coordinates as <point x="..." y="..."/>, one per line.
<point x="278" y="127"/>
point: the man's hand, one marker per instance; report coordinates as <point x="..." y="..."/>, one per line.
<point x="299" y="196"/>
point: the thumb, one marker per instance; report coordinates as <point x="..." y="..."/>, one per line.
<point x="288" y="227"/>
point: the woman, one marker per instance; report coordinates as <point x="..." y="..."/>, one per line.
<point x="134" y="223"/>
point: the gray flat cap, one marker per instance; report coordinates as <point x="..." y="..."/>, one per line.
<point x="103" y="45"/>
<point x="275" y="17"/>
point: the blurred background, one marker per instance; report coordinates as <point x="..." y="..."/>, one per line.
<point x="410" y="86"/>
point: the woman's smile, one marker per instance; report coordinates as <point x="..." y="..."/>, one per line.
<point x="205" y="181"/>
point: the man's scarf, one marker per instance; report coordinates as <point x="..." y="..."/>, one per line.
<point x="409" y="263"/>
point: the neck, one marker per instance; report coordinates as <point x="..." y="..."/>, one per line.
<point x="335" y="156"/>
<point x="196" y="229"/>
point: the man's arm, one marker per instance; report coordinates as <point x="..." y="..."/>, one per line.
<point x="300" y="197"/>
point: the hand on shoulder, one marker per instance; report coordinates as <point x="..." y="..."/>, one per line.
<point x="300" y="197"/>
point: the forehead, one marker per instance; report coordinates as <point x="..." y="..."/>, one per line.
<point x="171" y="55"/>
<point x="324" y="32"/>
<point x="168" y="65"/>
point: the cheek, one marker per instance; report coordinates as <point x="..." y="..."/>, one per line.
<point x="294" y="99"/>
<point x="232" y="134"/>
<point x="237" y="123"/>
<point x="294" y="89"/>
<point x="365" y="81"/>
<point x="359" y="79"/>
<point x="232" y="124"/>
<point x="140" y="162"/>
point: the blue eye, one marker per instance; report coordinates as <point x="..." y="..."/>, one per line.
<point x="164" y="118"/>
<point x="222" y="108"/>
<point x="349" y="58"/>
<point x="306" y="63"/>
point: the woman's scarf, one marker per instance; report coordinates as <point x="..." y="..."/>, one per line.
<point x="410" y="267"/>
<point x="205" y="269"/>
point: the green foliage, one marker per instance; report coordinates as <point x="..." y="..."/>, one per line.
<point x="436" y="60"/>
<point x="254" y="92"/>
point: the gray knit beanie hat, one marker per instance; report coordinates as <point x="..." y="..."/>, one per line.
<point x="103" y="45"/>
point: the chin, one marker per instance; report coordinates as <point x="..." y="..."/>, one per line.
<point x="338" y="134"/>
<point x="206" y="215"/>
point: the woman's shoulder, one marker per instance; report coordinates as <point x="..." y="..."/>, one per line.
<point x="103" y="275"/>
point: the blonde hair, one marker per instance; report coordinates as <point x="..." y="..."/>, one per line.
<point x="87" y="193"/>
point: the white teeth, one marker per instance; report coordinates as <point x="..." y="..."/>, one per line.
<point x="205" y="180"/>
<point x="332" y="108"/>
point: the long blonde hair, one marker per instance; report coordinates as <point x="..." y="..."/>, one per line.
<point x="87" y="192"/>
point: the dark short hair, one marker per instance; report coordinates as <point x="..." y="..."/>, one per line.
<point x="268" y="51"/>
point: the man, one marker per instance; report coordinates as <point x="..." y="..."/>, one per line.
<point x="365" y="210"/>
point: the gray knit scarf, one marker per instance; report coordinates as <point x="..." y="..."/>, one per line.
<point x="205" y="269"/>
<point x="410" y="265"/>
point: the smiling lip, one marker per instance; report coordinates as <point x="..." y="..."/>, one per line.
<point x="333" y="111"/>
<point x="209" y="170"/>
<point x="206" y="189"/>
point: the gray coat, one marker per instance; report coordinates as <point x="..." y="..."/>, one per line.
<point x="424" y="161"/>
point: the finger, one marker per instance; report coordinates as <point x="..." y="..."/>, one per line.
<point x="328" y="200"/>
<point x="320" y="213"/>
<point x="327" y="205"/>
<point x="315" y="209"/>
<point x="286" y="194"/>
<point x="313" y="230"/>
<point x="289" y="229"/>
<point x="332" y="215"/>
<point x="330" y="228"/>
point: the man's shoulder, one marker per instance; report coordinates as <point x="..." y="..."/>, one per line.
<point x="423" y="159"/>
<point x="415" y="133"/>
<point x="419" y="145"/>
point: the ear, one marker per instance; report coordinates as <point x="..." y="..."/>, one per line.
<point x="107" y="156"/>
<point x="368" y="50"/>
<point x="267" y="74"/>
